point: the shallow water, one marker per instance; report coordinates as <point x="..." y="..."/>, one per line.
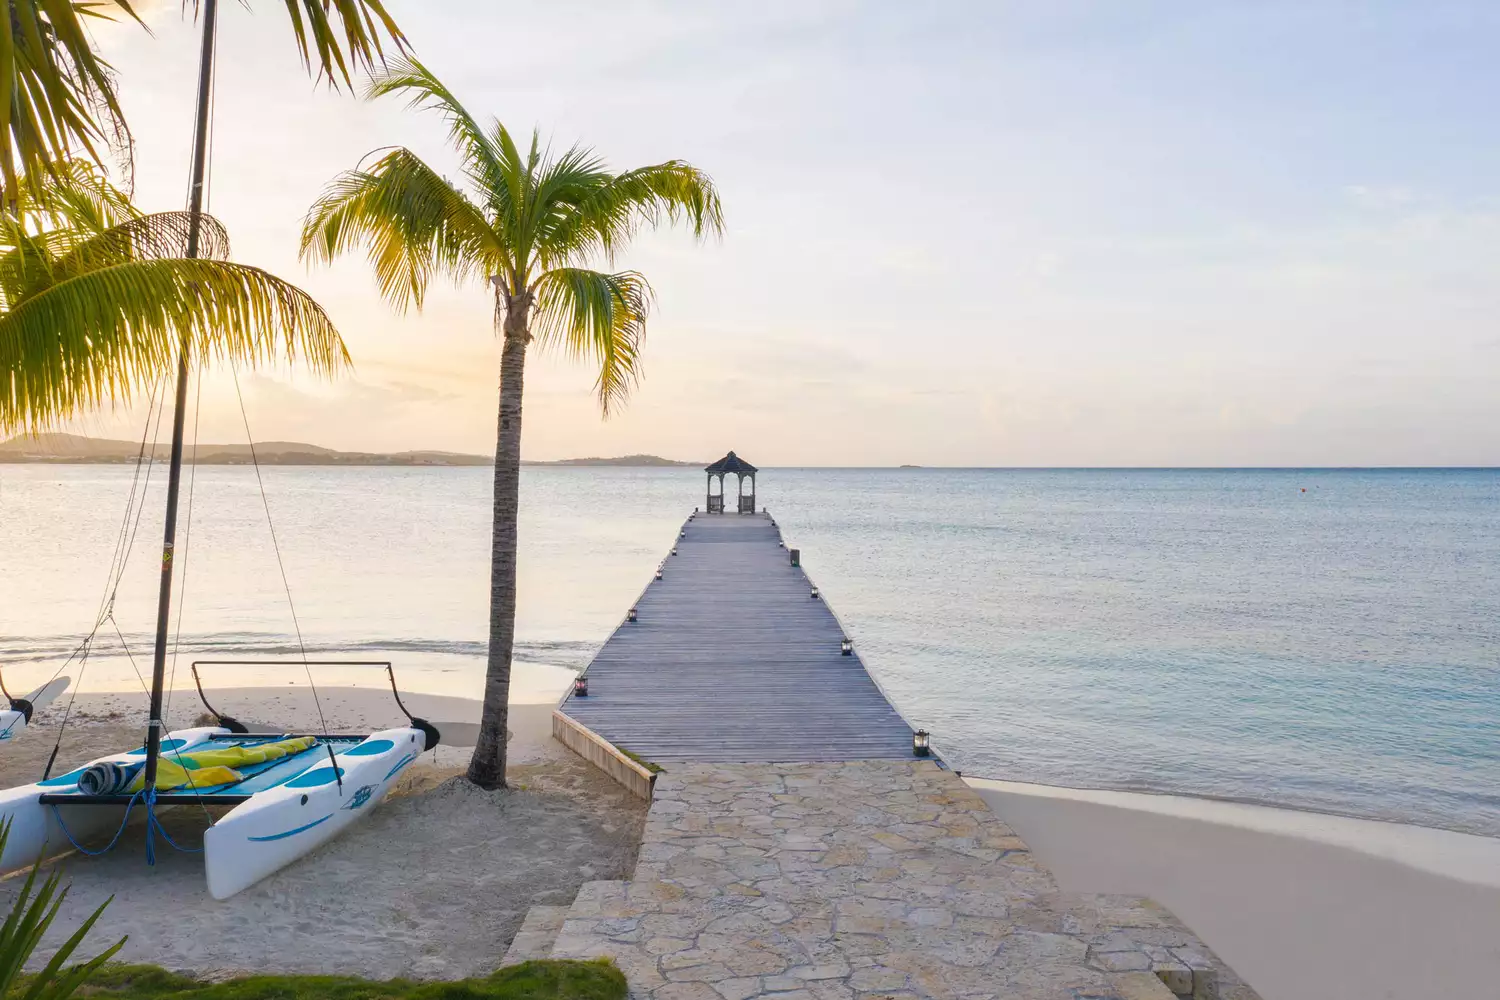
<point x="1219" y="633"/>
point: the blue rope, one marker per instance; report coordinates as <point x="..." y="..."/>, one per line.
<point x="153" y="825"/>
<point x="113" y="840"/>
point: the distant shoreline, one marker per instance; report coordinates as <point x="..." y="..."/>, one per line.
<point x="72" y="449"/>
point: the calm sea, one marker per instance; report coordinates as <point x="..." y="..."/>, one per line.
<point x="1311" y="638"/>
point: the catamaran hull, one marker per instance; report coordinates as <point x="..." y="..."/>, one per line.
<point x="41" y="831"/>
<point x="13" y="721"/>
<point x="279" y="825"/>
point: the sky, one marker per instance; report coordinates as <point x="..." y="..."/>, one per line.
<point x="976" y="234"/>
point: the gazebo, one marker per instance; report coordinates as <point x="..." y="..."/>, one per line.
<point x="731" y="463"/>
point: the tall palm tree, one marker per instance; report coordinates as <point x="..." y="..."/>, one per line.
<point x="527" y="222"/>
<point x="58" y="97"/>
<point x="96" y="298"/>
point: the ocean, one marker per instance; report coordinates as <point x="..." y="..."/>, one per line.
<point x="1317" y="639"/>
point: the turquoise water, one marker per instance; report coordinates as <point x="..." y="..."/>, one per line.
<point x="1218" y="633"/>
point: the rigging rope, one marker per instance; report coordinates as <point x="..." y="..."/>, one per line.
<point x="119" y="560"/>
<point x="187" y="538"/>
<point x="285" y="584"/>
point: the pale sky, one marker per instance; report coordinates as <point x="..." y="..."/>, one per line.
<point x="990" y="233"/>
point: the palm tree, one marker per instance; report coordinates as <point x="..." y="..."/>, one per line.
<point x="58" y="98"/>
<point x="527" y="223"/>
<point x="54" y="90"/>
<point x="96" y="298"/>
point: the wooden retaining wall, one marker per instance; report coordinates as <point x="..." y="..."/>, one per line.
<point x="603" y="754"/>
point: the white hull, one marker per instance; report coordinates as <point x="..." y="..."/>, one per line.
<point x="35" y="832"/>
<point x="13" y="723"/>
<point x="282" y="824"/>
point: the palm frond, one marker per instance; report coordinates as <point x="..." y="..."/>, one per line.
<point x="158" y="236"/>
<point x="489" y="163"/>
<point x="605" y="216"/>
<point x="73" y="194"/>
<point x="595" y="316"/>
<point x="337" y="38"/>
<point x="412" y="223"/>
<point x="57" y="96"/>
<point x="92" y="338"/>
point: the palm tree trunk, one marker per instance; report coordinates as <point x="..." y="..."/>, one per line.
<point x="487" y="768"/>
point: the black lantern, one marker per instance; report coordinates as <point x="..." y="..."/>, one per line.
<point x="920" y="747"/>
<point x="630" y="615"/>
<point x="814" y="593"/>
<point x="847" y="647"/>
<point x="580" y="686"/>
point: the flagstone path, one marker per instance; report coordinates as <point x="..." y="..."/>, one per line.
<point x="863" y="880"/>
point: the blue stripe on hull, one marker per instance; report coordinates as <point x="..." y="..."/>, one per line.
<point x="293" y="833"/>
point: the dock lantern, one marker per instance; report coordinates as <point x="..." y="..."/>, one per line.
<point x="580" y="686"/>
<point x="630" y="615"/>
<point x="847" y="646"/>
<point x="813" y="594"/>
<point x="920" y="745"/>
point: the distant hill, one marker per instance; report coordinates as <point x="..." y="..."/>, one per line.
<point x="77" y="449"/>
<point x="636" y="461"/>
<point x="74" y="448"/>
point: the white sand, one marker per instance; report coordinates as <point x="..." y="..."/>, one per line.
<point x="1303" y="906"/>
<point x="433" y="884"/>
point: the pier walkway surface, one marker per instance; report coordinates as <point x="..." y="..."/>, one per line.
<point x="795" y="849"/>
<point x="731" y="659"/>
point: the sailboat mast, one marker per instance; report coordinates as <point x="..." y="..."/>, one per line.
<point x="174" y="475"/>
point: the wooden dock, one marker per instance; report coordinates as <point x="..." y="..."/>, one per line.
<point x="731" y="660"/>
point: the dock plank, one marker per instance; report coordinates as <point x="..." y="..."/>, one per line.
<point x="732" y="660"/>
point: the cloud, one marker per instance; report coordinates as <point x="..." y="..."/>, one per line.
<point x="1374" y="196"/>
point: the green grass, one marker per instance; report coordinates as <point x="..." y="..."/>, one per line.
<point x="546" y="979"/>
<point x="649" y="765"/>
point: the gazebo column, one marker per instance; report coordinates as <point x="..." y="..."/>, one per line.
<point x="715" y="503"/>
<point x="747" y="503"/>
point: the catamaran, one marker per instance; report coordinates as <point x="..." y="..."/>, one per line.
<point x="289" y="792"/>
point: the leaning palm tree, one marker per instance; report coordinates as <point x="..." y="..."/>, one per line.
<point x="96" y="299"/>
<point x="58" y="97"/>
<point x="528" y="222"/>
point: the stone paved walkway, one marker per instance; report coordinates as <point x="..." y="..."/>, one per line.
<point x="860" y="880"/>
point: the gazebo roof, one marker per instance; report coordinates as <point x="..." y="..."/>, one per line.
<point x="731" y="463"/>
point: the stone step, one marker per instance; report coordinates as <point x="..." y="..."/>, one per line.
<point x="537" y="934"/>
<point x="577" y="933"/>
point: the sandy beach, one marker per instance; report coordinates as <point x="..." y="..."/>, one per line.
<point x="1303" y="906"/>
<point x="433" y="885"/>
